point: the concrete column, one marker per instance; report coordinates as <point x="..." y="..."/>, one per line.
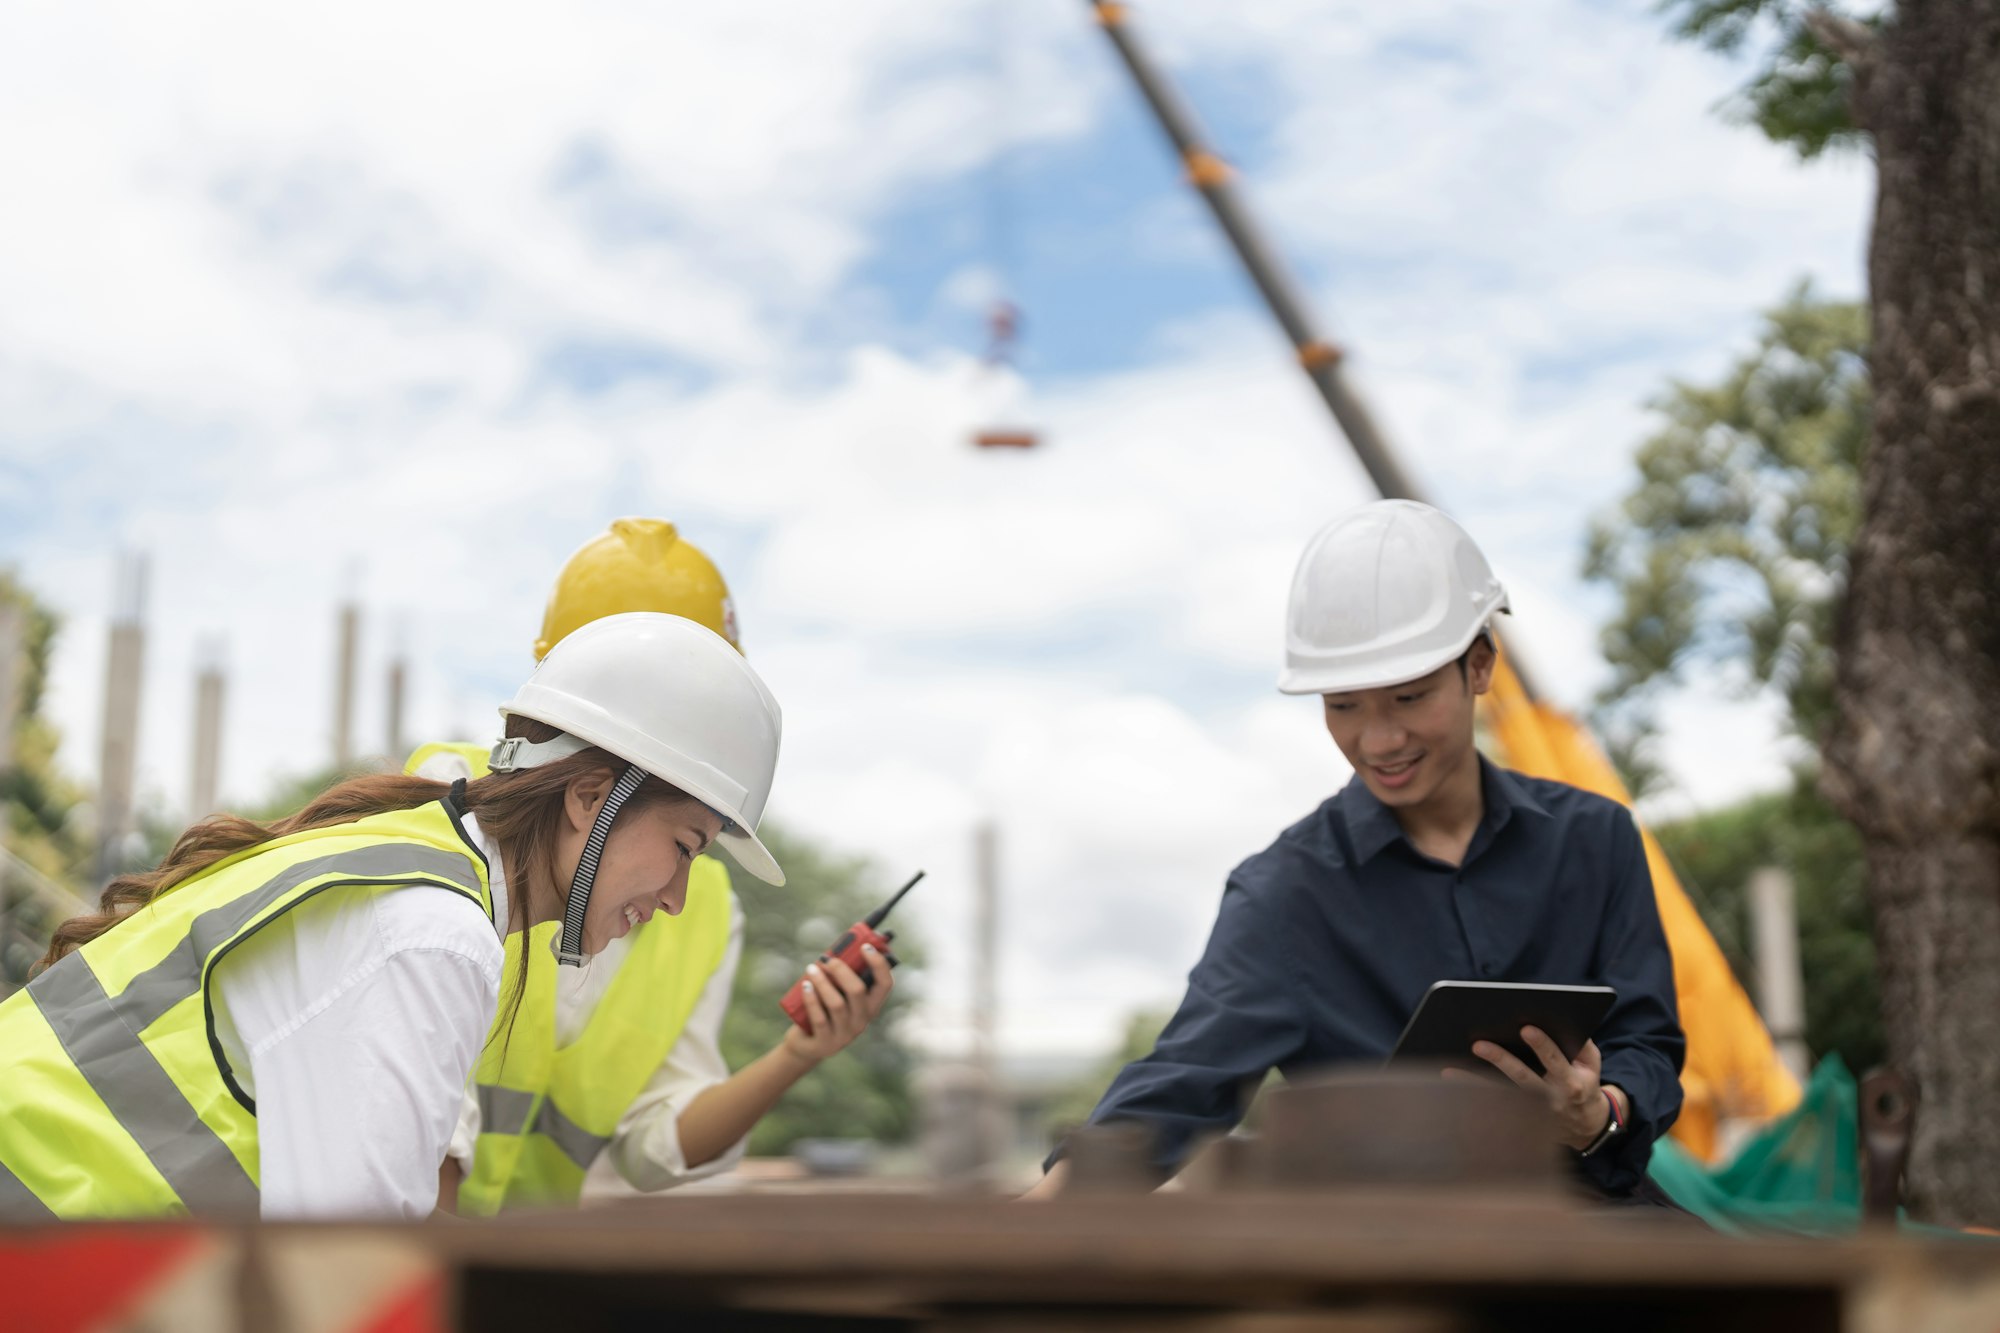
<point x="118" y="758"/>
<point x="346" y="650"/>
<point x="205" y="781"/>
<point x="985" y="945"/>
<point x="399" y="680"/>
<point x="1781" y="987"/>
<point x="995" y="1122"/>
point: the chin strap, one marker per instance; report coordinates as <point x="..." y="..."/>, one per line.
<point x="570" y="951"/>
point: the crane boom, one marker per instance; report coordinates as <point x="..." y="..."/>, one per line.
<point x="1215" y="180"/>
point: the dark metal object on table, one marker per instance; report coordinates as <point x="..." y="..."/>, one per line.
<point x="1220" y="1165"/>
<point x="835" y="1157"/>
<point x="1888" y="1114"/>
<point x="1114" y="1158"/>
<point x="1399" y="1128"/>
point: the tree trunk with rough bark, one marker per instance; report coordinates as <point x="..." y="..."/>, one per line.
<point x="1914" y="758"/>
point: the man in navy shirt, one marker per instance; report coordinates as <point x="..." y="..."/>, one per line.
<point x="1431" y="864"/>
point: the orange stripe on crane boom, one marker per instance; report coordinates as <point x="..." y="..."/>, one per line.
<point x="1206" y="170"/>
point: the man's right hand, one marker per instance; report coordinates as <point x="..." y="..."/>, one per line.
<point x="1049" y="1185"/>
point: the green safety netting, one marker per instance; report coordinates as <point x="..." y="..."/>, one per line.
<point x="1800" y="1175"/>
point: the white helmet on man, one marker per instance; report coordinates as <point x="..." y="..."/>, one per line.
<point x="1386" y="593"/>
<point x="669" y="697"/>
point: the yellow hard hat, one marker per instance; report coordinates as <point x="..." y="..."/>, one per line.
<point x="641" y="564"/>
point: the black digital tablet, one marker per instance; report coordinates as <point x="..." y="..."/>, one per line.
<point x="1454" y="1014"/>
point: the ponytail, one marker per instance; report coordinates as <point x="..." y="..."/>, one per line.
<point x="520" y="811"/>
<point x="219" y="837"/>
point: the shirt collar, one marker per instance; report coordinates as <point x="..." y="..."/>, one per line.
<point x="1506" y="791"/>
<point x="1371" y="826"/>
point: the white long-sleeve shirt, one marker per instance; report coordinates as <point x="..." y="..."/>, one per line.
<point x="645" y="1151"/>
<point x="354" y="1021"/>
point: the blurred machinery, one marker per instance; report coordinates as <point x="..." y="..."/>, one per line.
<point x="1004" y="331"/>
<point x="1003" y="388"/>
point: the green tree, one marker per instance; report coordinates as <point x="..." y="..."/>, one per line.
<point x="1908" y="754"/>
<point x="1799" y="832"/>
<point x="290" y="793"/>
<point x="1074" y="1106"/>
<point x="39" y="804"/>
<point x="864" y="1092"/>
<point x="1729" y="556"/>
<point x="1731" y="550"/>
<point x="1802" y="93"/>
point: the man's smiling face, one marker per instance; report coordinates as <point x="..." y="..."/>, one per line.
<point x="1406" y="740"/>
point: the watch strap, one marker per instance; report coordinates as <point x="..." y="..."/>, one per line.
<point x="1614" y="1125"/>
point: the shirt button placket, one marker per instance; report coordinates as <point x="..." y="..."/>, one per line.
<point x="1486" y="967"/>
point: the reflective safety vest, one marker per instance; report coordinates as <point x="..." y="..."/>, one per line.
<point x="442" y="761"/>
<point x="546" y="1113"/>
<point x="115" y="1097"/>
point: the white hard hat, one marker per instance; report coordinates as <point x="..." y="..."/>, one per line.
<point x="1384" y="594"/>
<point x="671" y="697"/>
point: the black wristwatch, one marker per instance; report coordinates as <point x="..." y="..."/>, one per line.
<point x="1613" y="1126"/>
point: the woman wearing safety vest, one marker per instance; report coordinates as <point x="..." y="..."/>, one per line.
<point x="283" y="1019"/>
<point x="611" y="1076"/>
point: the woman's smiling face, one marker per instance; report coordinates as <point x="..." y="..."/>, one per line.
<point x="644" y="868"/>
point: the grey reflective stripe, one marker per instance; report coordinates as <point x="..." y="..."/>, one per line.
<point x="18" y="1203"/>
<point x="578" y="1144"/>
<point x="178" y="975"/>
<point x="132" y="1083"/>
<point x="100" y="1032"/>
<point x="504" y="1110"/>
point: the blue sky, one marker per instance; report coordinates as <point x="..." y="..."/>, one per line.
<point x="301" y="312"/>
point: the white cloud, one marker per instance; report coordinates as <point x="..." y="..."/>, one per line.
<point x="219" y="203"/>
<point x="279" y="295"/>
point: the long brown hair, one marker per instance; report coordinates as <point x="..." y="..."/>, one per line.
<point x="521" y="811"/>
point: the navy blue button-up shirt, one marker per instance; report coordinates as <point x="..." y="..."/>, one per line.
<point x="1328" y="938"/>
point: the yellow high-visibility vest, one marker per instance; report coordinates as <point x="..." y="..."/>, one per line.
<point x="115" y="1097"/>
<point x="545" y="1113"/>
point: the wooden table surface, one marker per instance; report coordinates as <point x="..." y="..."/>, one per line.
<point x="1383" y="1261"/>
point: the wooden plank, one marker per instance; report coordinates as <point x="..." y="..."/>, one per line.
<point x="1334" y="1237"/>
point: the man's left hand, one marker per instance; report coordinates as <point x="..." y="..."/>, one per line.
<point x="1571" y="1087"/>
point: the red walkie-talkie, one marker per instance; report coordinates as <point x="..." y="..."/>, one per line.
<point x="848" y="950"/>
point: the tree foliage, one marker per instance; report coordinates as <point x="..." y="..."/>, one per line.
<point x="864" y="1092"/>
<point x="1731" y="549"/>
<point x="1800" y="833"/>
<point x="1730" y="553"/>
<point x="39" y="804"/>
<point x="1073" y="1107"/>
<point x="1802" y="92"/>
